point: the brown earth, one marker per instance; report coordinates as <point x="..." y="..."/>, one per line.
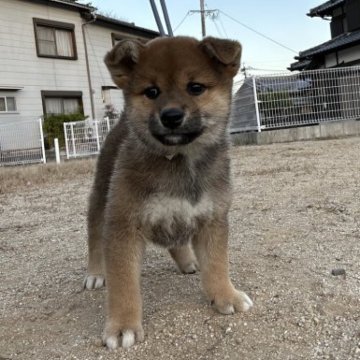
<point x="295" y="218"/>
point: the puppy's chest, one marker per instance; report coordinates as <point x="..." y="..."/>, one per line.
<point x="172" y="221"/>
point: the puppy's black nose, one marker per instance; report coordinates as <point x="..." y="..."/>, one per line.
<point x="171" y="118"/>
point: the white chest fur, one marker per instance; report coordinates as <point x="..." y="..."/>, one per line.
<point x="164" y="210"/>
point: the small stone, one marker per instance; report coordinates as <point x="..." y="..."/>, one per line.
<point x="338" y="272"/>
<point x="228" y="330"/>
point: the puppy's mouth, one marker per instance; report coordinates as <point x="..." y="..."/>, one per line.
<point x="173" y="139"/>
<point x="185" y="134"/>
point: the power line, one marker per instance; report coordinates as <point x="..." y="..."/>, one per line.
<point x="258" y="32"/>
<point x="181" y="22"/>
<point x="222" y="25"/>
<point x="217" y="28"/>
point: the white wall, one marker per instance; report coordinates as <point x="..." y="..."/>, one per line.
<point x="344" y="56"/>
<point x="20" y="65"/>
<point x="99" y="42"/>
<point x="349" y="55"/>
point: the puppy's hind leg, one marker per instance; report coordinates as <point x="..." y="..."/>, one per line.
<point x="184" y="258"/>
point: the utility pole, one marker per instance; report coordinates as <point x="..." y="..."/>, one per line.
<point x="203" y="13"/>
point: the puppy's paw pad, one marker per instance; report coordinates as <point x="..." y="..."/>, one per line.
<point x="127" y="339"/>
<point x="94" y="282"/>
<point x="242" y="301"/>
<point x="226" y="309"/>
<point x="238" y="301"/>
<point x="112" y="342"/>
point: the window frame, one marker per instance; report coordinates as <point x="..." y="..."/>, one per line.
<point x="55" y="25"/>
<point x="6" y="105"/>
<point x="62" y="95"/>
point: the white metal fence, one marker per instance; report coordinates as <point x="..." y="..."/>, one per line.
<point x="309" y="97"/>
<point x="84" y="138"/>
<point x="22" y="143"/>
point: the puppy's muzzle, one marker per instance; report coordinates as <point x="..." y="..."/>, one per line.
<point x="172" y="118"/>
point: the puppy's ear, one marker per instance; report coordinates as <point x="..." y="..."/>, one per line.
<point x="226" y="52"/>
<point x="122" y="59"/>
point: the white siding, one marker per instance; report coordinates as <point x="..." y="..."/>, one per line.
<point x="99" y="42"/>
<point x="349" y="55"/>
<point x="330" y="60"/>
<point x="20" y="65"/>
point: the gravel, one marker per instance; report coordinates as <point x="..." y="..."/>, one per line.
<point x="295" y="218"/>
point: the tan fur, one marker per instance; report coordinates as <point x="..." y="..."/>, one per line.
<point x="163" y="185"/>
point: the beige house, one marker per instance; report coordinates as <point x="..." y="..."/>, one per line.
<point x="51" y="59"/>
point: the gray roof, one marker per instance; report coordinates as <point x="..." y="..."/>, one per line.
<point x="299" y="65"/>
<point x="341" y="41"/>
<point x="75" y="4"/>
<point x="325" y="8"/>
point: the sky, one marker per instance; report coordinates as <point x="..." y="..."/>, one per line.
<point x="284" y="21"/>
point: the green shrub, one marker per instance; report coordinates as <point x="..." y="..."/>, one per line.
<point x="54" y="128"/>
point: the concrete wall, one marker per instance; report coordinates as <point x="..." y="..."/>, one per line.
<point x="326" y="130"/>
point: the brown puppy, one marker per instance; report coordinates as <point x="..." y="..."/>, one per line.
<point x="163" y="175"/>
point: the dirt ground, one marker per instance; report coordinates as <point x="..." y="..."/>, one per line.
<point x="295" y="218"/>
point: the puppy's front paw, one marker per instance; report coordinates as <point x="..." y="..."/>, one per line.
<point x="94" y="282"/>
<point x="115" y="336"/>
<point x="236" y="300"/>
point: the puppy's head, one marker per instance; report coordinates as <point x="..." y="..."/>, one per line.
<point x="177" y="90"/>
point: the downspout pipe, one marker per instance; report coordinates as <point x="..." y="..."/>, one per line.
<point x="91" y="94"/>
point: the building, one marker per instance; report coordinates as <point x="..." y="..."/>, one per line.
<point x="344" y="47"/>
<point x="51" y="59"/>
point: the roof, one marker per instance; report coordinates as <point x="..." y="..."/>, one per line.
<point x="341" y="41"/>
<point x="325" y="8"/>
<point x="300" y="65"/>
<point x="129" y="27"/>
<point x="69" y="4"/>
<point x="87" y="12"/>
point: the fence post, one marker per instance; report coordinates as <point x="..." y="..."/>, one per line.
<point x="57" y="150"/>
<point x="97" y="135"/>
<point x="258" y="121"/>
<point x="42" y="141"/>
<point x="66" y="140"/>
<point x="108" y="123"/>
<point x="73" y="138"/>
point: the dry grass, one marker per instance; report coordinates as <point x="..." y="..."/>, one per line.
<point x="21" y="177"/>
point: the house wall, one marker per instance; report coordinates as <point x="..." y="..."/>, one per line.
<point x="99" y="42"/>
<point x="349" y="55"/>
<point x="20" y="65"/>
<point x="343" y="56"/>
<point x="330" y="60"/>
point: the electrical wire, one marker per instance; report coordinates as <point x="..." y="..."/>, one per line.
<point x="217" y="28"/>
<point x="181" y="22"/>
<point x="258" y="32"/>
<point x="222" y="26"/>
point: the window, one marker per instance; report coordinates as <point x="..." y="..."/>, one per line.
<point x="7" y="104"/>
<point x="55" y="39"/>
<point x="62" y="102"/>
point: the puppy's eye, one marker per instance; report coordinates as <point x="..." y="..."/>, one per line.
<point x="152" y="92"/>
<point x="195" y="89"/>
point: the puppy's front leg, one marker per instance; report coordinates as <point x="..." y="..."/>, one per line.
<point x="123" y="250"/>
<point x="211" y="248"/>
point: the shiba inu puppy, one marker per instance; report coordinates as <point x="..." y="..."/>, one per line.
<point x="163" y="175"/>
